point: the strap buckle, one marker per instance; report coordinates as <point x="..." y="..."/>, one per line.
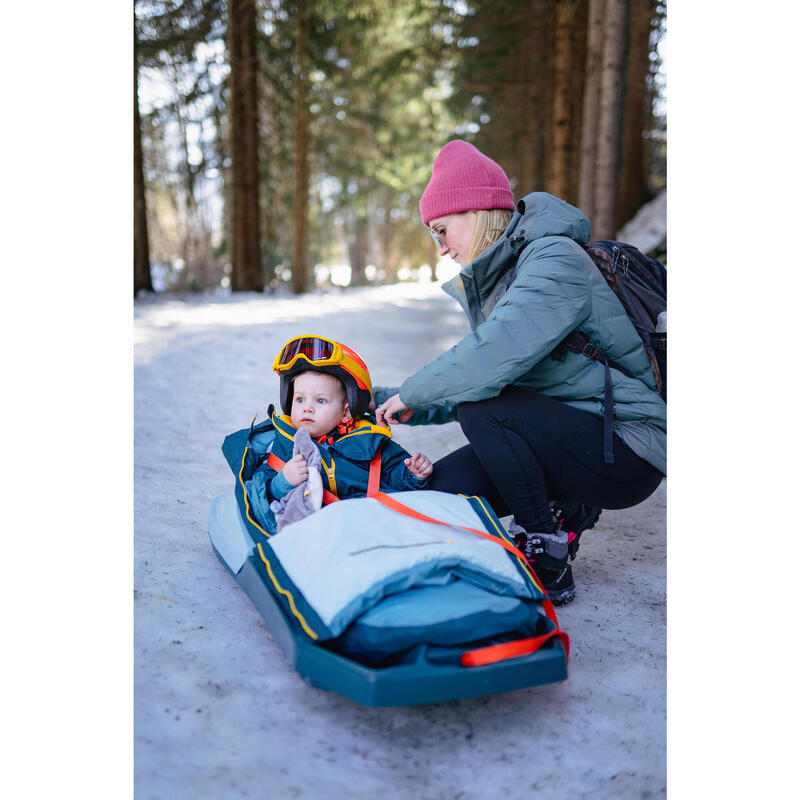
<point x="591" y="351"/>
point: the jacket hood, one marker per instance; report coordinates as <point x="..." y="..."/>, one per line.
<point x="542" y="214"/>
<point x="539" y="214"/>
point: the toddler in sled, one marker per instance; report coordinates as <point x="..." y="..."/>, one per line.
<point x="394" y="597"/>
<point x="326" y="448"/>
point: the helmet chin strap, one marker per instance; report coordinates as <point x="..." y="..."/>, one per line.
<point x="346" y="426"/>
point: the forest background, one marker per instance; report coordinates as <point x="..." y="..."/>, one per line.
<point x="66" y="317"/>
<point x="286" y="143"/>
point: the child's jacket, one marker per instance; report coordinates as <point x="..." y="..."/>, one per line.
<point x="345" y="459"/>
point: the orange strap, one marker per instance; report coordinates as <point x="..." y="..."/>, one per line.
<point x="373" y="483"/>
<point x="504" y="650"/>
<point x="277" y="464"/>
<point x="390" y="502"/>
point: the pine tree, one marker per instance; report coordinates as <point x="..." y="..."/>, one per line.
<point x="300" y="259"/>
<point x="141" y="248"/>
<point x="591" y="106"/>
<point x="245" y="216"/>
<point x="561" y="159"/>
<point x="608" y="134"/>
<point x="633" y="189"/>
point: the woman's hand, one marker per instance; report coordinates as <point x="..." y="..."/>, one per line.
<point x="419" y="465"/>
<point x="295" y="470"/>
<point x="385" y="413"/>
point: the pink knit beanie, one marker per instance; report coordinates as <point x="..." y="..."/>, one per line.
<point x="464" y="179"/>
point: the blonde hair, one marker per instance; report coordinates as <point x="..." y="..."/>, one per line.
<point x="489" y="227"/>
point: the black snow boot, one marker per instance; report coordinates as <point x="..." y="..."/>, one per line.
<point x="548" y="554"/>
<point x="574" y="518"/>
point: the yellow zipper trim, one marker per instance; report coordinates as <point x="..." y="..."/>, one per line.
<point x="330" y="471"/>
<point x="503" y="535"/>
<point x="246" y="499"/>
<point x="288" y="436"/>
<point x="367" y="427"/>
<point x="286" y="594"/>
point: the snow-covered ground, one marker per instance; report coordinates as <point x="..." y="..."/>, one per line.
<point x="218" y="713"/>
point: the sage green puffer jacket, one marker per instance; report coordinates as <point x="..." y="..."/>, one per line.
<point x="556" y="289"/>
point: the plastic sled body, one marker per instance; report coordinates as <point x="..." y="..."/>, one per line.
<point x="425" y="676"/>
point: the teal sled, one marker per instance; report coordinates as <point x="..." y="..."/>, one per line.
<point x="424" y="674"/>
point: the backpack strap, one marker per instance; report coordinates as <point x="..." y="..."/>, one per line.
<point x="504" y="650"/>
<point x="577" y="342"/>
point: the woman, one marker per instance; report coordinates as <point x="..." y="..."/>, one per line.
<point x="534" y="423"/>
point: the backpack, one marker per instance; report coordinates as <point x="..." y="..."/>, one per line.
<point x="640" y="283"/>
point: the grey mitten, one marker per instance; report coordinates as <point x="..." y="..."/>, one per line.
<point x="305" y="499"/>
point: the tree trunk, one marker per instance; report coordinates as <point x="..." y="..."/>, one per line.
<point x="300" y="255"/>
<point x="591" y="105"/>
<point x="357" y="247"/>
<point x="533" y="100"/>
<point x="245" y="217"/>
<point x="633" y="177"/>
<point x="577" y="81"/>
<point x="191" y="276"/>
<point x="141" y="248"/>
<point x="608" y="143"/>
<point x="559" y="163"/>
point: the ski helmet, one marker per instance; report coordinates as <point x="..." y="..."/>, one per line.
<point x="318" y="354"/>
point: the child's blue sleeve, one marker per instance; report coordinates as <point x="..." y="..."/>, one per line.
<point x="394" y="473"/>
<point x="279" y="486"/>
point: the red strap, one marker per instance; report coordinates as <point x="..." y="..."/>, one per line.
<point x="504" y="650"/>
<point x="277" y="464"/>
<point x="373" y="484"/>
<point x="495" y="652"/>
<point x="394" y="505"/>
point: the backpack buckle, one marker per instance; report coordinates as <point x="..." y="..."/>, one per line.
<point x="591" y="351"/>
<point x="619" y="260"/>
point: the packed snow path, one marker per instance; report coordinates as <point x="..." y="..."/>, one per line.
<point x="219" y="713"/>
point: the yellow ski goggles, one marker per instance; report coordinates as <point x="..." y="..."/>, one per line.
<point x="321" y="352"/>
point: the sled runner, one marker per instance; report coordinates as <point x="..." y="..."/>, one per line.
<point x="391" y="599"/>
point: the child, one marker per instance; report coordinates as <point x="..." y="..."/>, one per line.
<point x="325" y="390"/>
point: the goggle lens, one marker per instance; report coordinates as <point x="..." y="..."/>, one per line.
<point x="313" y="348"/>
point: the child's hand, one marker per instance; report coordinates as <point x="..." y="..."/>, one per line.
<point x="419" y="465"/>
<point x="295" y="470"/>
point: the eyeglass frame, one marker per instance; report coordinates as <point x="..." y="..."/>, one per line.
<point x="435" y="236"/>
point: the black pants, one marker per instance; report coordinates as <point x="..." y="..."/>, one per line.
<point x="526" y="449"/>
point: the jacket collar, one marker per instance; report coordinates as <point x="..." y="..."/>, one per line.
<point x="363" y="428"/>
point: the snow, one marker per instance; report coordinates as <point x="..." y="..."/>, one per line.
<point x="647" y="229"/>
<point x="217" y="710"/>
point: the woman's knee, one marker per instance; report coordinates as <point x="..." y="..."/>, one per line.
<point x="513" y="402"/>
<point x="473" y="414"/>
